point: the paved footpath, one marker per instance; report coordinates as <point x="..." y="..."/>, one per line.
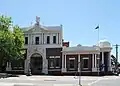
<point x="23" y="80"/>
<point x="107" y="81"/>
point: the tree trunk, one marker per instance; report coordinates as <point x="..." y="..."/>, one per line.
<point x="2" y="63"/>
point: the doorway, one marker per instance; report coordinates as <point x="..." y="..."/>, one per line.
<point x="36" y="64"/>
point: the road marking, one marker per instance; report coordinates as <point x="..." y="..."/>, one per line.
<point x="24" y="84"/>
<point x="104" y="78"/>
<point x="94" y="82"/>
<point x="111" y="77"/>
<point x="49" y="80"/>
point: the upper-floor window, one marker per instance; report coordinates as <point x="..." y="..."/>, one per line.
<point x="48" y="39"/>
<point x="54" y="39"/>
<point x="36" y="40"/>
<point x="26" y="40"/>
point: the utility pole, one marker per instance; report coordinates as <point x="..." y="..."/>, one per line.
<point x="79" y="74"/>
<point x="117" y="52"/>
<point x="116" y="46"/>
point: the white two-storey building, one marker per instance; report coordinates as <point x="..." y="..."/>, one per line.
<point x="37" y="40"/>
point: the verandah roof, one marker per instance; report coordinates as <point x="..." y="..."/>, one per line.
<point x="80" y="49"/>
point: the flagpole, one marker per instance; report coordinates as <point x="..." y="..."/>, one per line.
<point x="99" y="51"/>
<point x="98" y="58"/>
<point x="98" y="36"/>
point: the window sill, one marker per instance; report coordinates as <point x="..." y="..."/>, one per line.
<point x="71" y="68"/>
<point x="54" y="67"/>
<point x="85" y="68"/>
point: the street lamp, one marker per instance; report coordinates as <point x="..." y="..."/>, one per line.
<point x="79" y="74"/>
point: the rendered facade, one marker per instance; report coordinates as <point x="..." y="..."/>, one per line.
<point x="47" y="55"/>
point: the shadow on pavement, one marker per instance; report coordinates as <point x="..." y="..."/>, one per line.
<point x="13" y="75"/>
<point x="6" y="75"/>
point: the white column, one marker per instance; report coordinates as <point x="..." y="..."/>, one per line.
<point x="102" y="57"/>
<point x="41" y="38"/>
<point x="45" y="63"/>
<point x="92" y="60"/>
<point x="45" y="66"/>
<point x="26" y="65"/>
<point x="109" y="58"/>
<point x="103" y="60"/>
<point x="78" y="62"/>
<point x="56" y="38"/>
<point x="65" y="61"/>
<point x="30" y="39"/>
<point x="95" y="60"/>
<point x="8" y="68"/>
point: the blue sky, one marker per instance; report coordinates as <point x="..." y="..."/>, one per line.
<point x="78" y="17"/>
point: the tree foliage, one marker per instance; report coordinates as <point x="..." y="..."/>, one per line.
<point x="11" y="42"/>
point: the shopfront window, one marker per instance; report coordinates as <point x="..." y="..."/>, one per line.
<point x="54" y="62"/>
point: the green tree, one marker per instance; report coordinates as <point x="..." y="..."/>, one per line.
<point x="11" y="42"/>
<point x="18" y="38"/>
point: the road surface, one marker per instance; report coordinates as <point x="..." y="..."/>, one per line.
<point x="23" y="80"/>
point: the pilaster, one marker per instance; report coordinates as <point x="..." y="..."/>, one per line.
<point x="94" y="66"/>
<point x="79" y="63"/>
<point x="109" y="61"/>
<point x="45" y="63"/>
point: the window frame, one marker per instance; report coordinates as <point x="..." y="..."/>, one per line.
<point x="27" y="40"/>
<point x="48" y="42"/>
<point x="86" y="58"/>
<point x="54" y="61"/>
<point x="57" y="60"/>
<point x="54" y="40"/>
<point x="51" y="60"/>
<point x="37" y="42"/>
<point x="72" y="59"/>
